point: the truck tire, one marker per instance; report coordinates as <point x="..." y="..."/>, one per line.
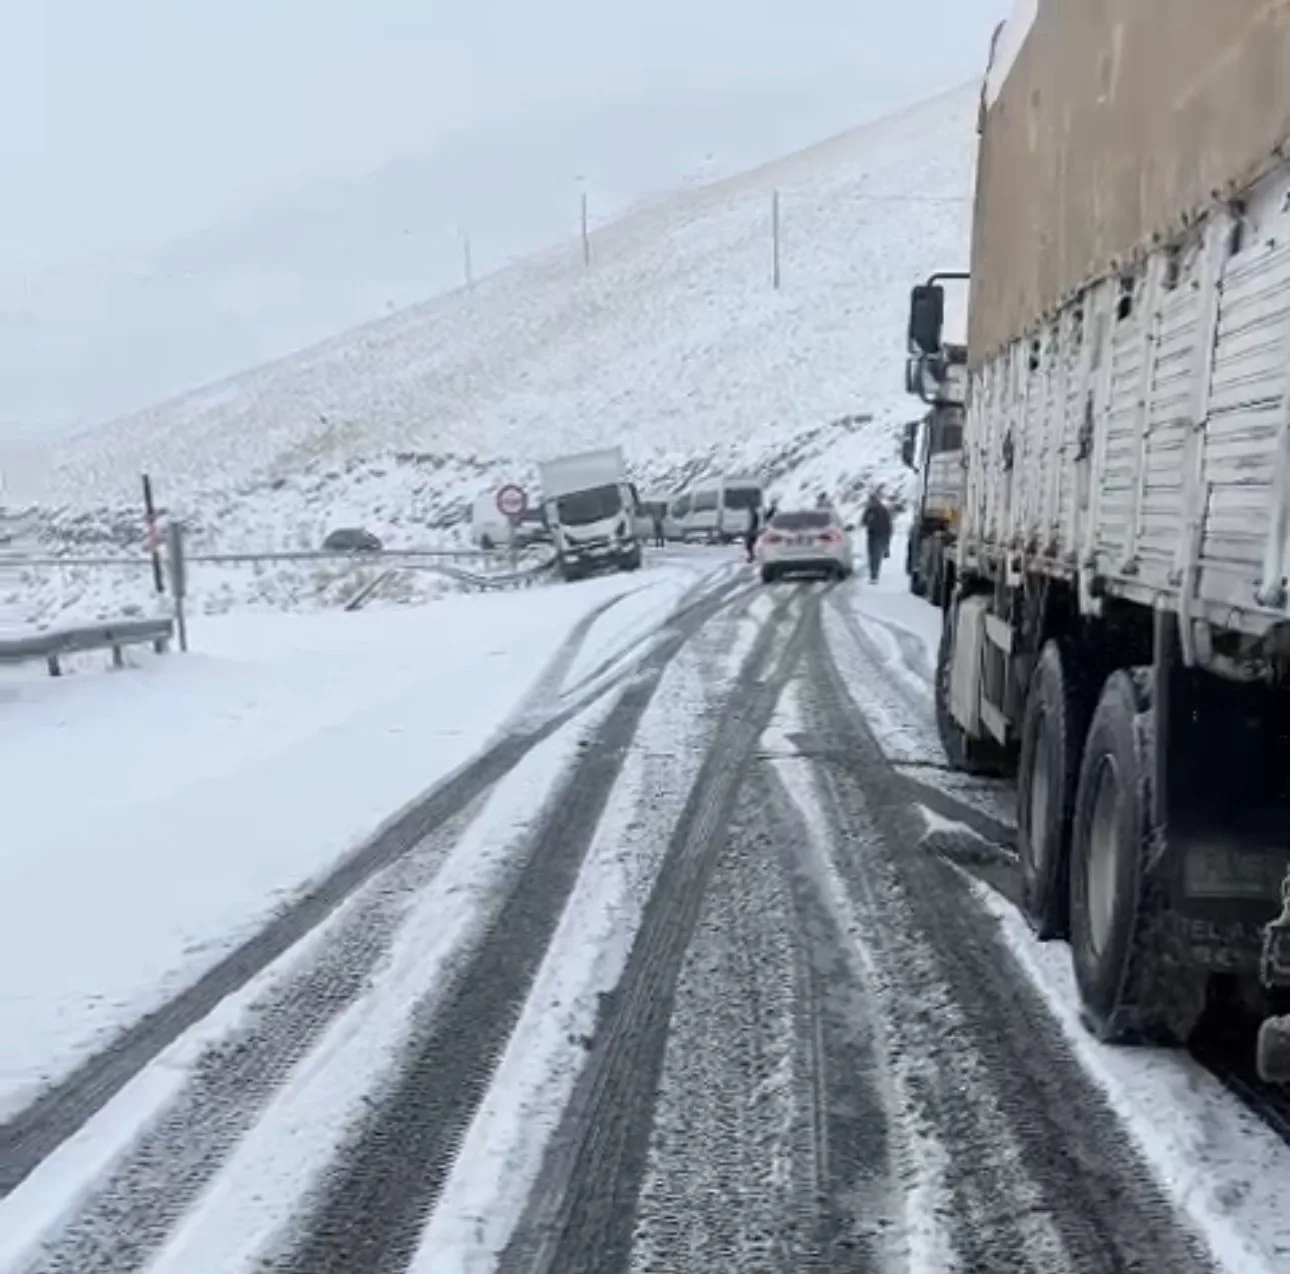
<point x="1058" y="707"/>
<point x="1273" y="1056"/>
<point x="972" y="756"/>
<point x="934" y="571"/>
<point x="917" y="584"/>
<point x="1132" y="992"/>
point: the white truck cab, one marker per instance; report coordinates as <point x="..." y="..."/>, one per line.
<point x="591" y="511"/>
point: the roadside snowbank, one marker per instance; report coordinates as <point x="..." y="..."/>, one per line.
<point x="155" y="818"/>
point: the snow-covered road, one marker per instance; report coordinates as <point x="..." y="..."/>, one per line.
<point x="692" y="958"/>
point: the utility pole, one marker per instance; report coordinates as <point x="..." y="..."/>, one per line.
<point x="466" y="262"/>
<point x="774" y="237"/>
<point x="586" y="237"/>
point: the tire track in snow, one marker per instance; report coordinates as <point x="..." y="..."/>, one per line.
<point x="580" y="1218"/>
<point x="769" y="1146"/>
<point x="369" y="1213"/>
<point x="913" y="653"/>
<point x="859" y="1200"/>
<point x="130" y="1213"/>
<point x="542" y="700"/>
<point x="30" y="1136"/>
<point x="501" y="1156"/>
<point x="693" y="601"/>
<point x="900" y="713"/>
<point x="1021" y="1122"/>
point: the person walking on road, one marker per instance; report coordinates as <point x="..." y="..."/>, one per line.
<point x="876" y="521"/>
<point x="750" y="535"/>
<point x="660" y="541"/>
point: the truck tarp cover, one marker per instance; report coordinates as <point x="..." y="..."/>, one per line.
<point x="1117" y="121"/>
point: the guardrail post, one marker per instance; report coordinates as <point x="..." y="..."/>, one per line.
<point x="178" y="579"/>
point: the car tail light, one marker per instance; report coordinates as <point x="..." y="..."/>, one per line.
<point x="830" y="537"/>
<point x="772" y="537"/>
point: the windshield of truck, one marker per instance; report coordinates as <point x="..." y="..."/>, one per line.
<point x="594" y="505"/>
<point x="705" y="501"/>
<point x="743" y="497"/>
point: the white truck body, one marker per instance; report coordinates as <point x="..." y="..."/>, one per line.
<point x="591" y="511"/>
<point x="1138" y="442"/>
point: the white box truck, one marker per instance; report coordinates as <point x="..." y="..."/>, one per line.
<point x="1117" y="609"/>
<point x="591" y="511"/>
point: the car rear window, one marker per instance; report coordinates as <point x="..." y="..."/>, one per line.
<point x="801" y="521"/>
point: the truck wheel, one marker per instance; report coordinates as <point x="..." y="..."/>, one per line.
<point x="972" y="756"/>
<point x="935" y="585"/>
<point x="1131" y="990"/>
<point x="917" y="584"/>
<point x="1274" y="1051"/>
<point x="1058" y="708"/>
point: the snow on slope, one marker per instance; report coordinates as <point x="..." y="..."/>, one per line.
<point x="673" y="342"/>
<point x="353" y="249"/>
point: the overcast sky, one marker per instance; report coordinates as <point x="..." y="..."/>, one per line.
<point x="125" y="123"/>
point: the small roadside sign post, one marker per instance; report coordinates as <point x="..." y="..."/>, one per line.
<point x="512" y="501"/>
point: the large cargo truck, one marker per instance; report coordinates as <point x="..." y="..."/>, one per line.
<point x="1117" y="612"/>
<point x="590" y="509"/>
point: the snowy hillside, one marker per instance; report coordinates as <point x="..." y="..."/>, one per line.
<point x="673" y="343"/>
<point x="339" y="253"/>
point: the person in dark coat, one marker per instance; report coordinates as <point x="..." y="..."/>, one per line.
<point x="876" y="521"/>
<point x="660" y="540"/>
<point x="750" y="535"/>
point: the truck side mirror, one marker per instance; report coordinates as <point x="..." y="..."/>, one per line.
<point x="909" y="444"/>
<point x="913" y="375"/>
<point x="926" y="317"/>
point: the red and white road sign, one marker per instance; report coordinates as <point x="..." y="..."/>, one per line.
<point x="511" y="501"/>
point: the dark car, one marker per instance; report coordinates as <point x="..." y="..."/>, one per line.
<point x="352" y="539"/>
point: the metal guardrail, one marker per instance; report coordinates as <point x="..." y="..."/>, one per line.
<point x="131" y="560"/>
<point x="526" y="566"/>
<point x="494" y="582"/>
<point x="116" y="636"/>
